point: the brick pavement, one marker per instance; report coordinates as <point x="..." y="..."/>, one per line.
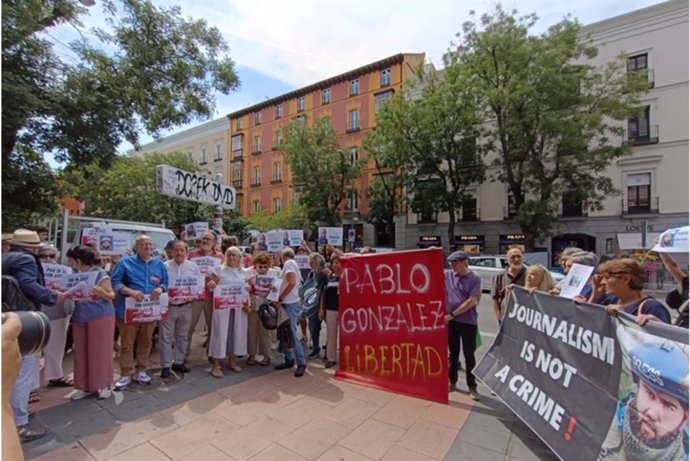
<point x="262" y="414"/>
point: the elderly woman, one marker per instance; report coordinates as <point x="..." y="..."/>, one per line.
<point x="537" y="277"/>
<point x="261" y="280"/>
<point x="625" y="279"/>
<point x="93" y="327"/>
<point x="228" y="326"/>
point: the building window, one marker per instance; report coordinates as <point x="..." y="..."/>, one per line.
<point x="240" y="123"/>
<point x="353" y="118"/>
<point x="511" y="210"/>
<point x="639" y="193"/>
<point x="278" y="139"/>
<point x="238" y="179"/>
<point x="354" y="201"/>
<point x="257" y="144"/>
<point x="426" y="217"/>
<point x="257" y="118"/>
<point x="300" y="104"/>
<point x="640" y="131"/>
<point x="381" y="98"/>
<point x="190" y="154"/>
<point x="385" y="77"/>
<point x="277" y="172"/>
<point x="469" y="209"/>
<point x="203" y="158"/>
<point x="571" y="207"/>
<point x="326" y="96"/>
<point x="219" y="148"/>
<point x="256" y="205"/>
<point x="279" y="110"/>
<point x="276" y="205"/>
<point x="354" y="87"/>
<point x="354" y="156"/>
<point x="257" y="175"/>
<point x="637" y="62"/>
<point x="237" y="147"/>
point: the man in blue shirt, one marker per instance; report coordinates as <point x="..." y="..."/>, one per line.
<point x="137" y="276"/>
<point x="463" y="291"/>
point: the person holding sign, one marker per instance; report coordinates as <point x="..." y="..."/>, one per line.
<point x="175" y="327"/>
<point x="513" y="274"/>
<point x="463" y="291"/>
<point x="93" y="329"/>
<point x="625" y="279"/>
<point x="206" y="249"/>
<point x="137" y="276"/>
<point x="288" y="298"/>
<point x="229" y="325"/>
<point x="261" y="280"/>
<point x="651" y="422"/>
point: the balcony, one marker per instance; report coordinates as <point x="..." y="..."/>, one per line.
<point x="256" y="151"/>
<point x="276" y="179"/>
<point x="276" y="147"/>
<point x="352" y="130"/>
<point x="571" y="210"/>
<point x="469" y="215"/>
<point x="237" y="155"/>
<point x="508" y="213"/>
<point x="640" y="206"/>
<point x="649" y="72"/>
<point x="636" y="139"/>
<point x="237" y="184"/>
<point x="427" y="218"/>
<point x="255" y="184"/>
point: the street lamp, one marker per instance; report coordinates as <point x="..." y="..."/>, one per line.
<point x="217" y="210"/>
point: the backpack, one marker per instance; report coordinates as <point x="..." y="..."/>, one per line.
<point x="310" y="295"/>
<point x="13" y="298"/>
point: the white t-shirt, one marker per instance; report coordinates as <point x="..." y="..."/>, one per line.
<point x="291" y="266"/>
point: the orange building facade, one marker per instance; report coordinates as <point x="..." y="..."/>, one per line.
<point x="258" y="168"/>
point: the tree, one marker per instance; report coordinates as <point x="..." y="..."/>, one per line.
<point x="293" y="217"/>
<point x="235" y="224"/>
<point x="323" y="173"/>
<point x="127" y="190"/>
<point x="430" y="135"/>
<point x="553" y="118"/>
<point x="150" y="70"/>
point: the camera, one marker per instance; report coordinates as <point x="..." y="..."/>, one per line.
<point x="35" y="331"/>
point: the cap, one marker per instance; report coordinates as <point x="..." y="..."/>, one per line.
<point x="663" y="366"/>
<point x="458" y="256"/>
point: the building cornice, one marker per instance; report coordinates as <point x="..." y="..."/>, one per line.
<point x="218" y="126"/>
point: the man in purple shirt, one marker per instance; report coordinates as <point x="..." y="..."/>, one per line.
<point x="463" y="290"/>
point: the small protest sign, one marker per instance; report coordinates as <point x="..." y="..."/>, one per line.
<point x="331" y="235"/>
<point x="195" y="230"/>
<point x="78" y="286"/>
<point x="113" y="243"/>
<point x="230" y="295"/>
<point x="147" y="310"/>
<point x="392" y="333"/>
<point x="673" y="241"/>
<point x="302" y="261"/>
<point x="263" y="284"/>
<point x="53" y="273"/>
<point x="575" y="281"/>
<point x="274" y="241"/>
<point x="207" y="264"/>
<point x="293" y="237"/>
<point x="185" y="288"/>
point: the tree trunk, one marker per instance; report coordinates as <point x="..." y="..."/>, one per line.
<point x="530" y="238"/>
<point x="451" y="232"/>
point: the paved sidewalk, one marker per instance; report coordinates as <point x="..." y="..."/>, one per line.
<point x="262" y="414"/>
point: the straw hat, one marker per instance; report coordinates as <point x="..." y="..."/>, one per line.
<point x="25" y="238"/>
<point x="6" y="237"/>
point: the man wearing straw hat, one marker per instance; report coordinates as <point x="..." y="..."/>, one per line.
<point x="22" y="263"/>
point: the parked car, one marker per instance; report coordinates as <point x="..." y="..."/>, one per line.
<point x="489" y="265"/>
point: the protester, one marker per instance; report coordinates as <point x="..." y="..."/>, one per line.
<point x="207" y="248"/>
<point x="6" y="242"/>
<point x="514" y="274"/>
<point x="137" y="276"/>
<point x="93" y="326"/>
<point x="174" y="328"/>
<point x="463" y="291"/>
<point x="258" y="338"/>
<point x="319" y="275"/>
<point x="678" y="297"/>
<point x="227" y="242"/>
<point x="589" y="259"/>
<point x="229" y="326"/>
<point x="651" y="422"/>
<point x="289" y="300"/>
<point x="538" y="277"/>
<point x="59" y="316"/>
<point x="170" y="250"/>
<point x="565" y="255"/>
<point x="329" y="311"/>
<point x="22" y="263"/>
<point x="625" y="279"/>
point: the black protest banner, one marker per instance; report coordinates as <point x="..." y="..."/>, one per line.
<point x="557" y="365"/>
<point x="588" y="384"/>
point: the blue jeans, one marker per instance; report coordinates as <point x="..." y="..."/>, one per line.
<point x="293" y="311"/>
<point x="22" y="388"/>
<point x="315" y="331"/>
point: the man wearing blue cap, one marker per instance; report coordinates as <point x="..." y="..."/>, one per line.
<point x="463" y="290"/>
<point x="651" y="423"/>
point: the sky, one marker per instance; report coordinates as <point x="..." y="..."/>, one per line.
<point x="282" y="45"/>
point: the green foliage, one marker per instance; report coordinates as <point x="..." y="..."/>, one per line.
<point x="323" y="173"/>
<point x="28" y="189"/>
<point x="556" y="119"/>
<point x="429" y="135"/>
<point x="235" y="224"/>
<point x="294" y="217"/>
<point x="127" y="190"/>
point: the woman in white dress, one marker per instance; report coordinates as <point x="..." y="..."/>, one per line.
<point x="229" y="325"/>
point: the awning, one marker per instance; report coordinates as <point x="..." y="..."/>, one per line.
<point x="633" y="240"/>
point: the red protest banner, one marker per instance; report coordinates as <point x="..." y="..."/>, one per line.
<point x="392" y="335"/>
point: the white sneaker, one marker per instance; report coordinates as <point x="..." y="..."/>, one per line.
<point x="123" y="383"/>
<point x="143" y="378"/>
<point x="80" y="394"/>
<point x="105" y="393"/>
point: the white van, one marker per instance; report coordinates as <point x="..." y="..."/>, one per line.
<point x="160" y="235"/>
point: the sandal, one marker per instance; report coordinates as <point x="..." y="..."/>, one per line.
<point x="251" y="361"/>
<point x="234" y="367"/>
<point x="265" y="362"/>
<point x="61" y="382"/>
<point x="34" y="397"/>
<point x="216" y="372"/>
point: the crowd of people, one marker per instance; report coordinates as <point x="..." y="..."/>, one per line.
<point x="237" y="337"/>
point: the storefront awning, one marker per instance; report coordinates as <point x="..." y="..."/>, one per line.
<point x="633" y="240"/>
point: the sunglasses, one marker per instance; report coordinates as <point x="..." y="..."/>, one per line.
<point x="46" y="256"/>
<point x="262" y="266"/>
